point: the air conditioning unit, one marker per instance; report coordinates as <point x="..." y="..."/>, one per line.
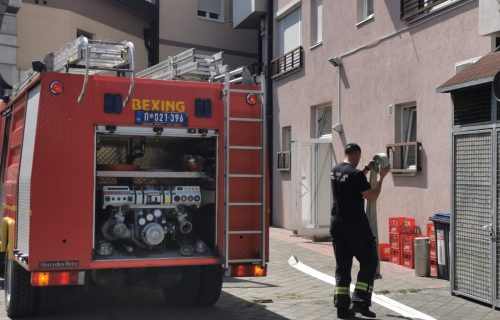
<point x="283" y="161"/>
<point x="462" y="65"/>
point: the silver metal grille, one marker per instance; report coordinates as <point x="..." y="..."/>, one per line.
<point x="472" y="105"/>
<point x="498" y="220"/>
<point x="473" y="206"/>
<point x="28" y="149"/>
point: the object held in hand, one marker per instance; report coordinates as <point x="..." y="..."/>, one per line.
<point x="381" y="161"/>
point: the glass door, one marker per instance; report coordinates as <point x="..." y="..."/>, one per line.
<point x="311" y="198"/>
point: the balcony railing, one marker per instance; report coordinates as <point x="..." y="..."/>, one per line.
<point x="405" y="157"/>
<point x="288" y="63"/>
<point x="283" y="161"/>
<point x="410" y="9"/>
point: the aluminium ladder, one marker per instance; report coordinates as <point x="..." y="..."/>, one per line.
<point x="187" y="65"/>
<point x="85" y="56"/>
<point x="229" y="176"/>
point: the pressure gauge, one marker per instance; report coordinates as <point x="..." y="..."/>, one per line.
<point x="157" y="213"/>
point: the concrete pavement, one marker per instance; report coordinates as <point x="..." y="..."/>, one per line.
<point x="296" y="295"/>
<point x="285" y="293"/>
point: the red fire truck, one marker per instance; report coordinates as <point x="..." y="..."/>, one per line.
<point x="123" y="178"/>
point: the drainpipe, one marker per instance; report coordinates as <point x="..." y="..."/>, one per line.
<point x="269" y="97"/>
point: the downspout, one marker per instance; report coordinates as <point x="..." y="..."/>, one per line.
<point x="269" y="98"/>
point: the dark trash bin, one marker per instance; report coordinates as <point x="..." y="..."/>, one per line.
<point x="442" y="233"/>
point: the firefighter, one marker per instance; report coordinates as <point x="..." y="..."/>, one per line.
<point x="351" y="233"/>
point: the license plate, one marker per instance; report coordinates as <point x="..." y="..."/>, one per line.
<point x="162" y="118"/>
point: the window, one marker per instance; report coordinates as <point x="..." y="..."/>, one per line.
<point x="286" y="145"/>
<point x="290" y="49"/>
<point x="289" y="32"/>
<point x="316" y="21"/>
<point x="408" y="134"/>
<point x="404" y="154"/>
<point x="211" y="10"/>
<point x="365" y="10"/>
<point x="323" y="121"/>
<point x="80" y="32"/>
<point x="411" y="9"/>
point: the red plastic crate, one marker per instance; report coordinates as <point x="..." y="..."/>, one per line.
<point x="401" y="225"/>
<point x="408" y="243"/>
<point x="434" y="269"/>
<point x="394" y="241"/>
<point x="430" y="232"/>
<point x="393" y="225"/>
<point x="408" y="260"/>
<point x="384" y="252"/>
<point x="395" y="256"/>
<point x="432" y="254"/>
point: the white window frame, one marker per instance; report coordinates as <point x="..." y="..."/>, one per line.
<point x="284" y="156"/>
<point x="207" y="14"/>
<point x="316" y="22"/>
<point x="320" y="116"/>
<point x="286" y="138"/>
<point x="363" y="15"/>
<point x="408" y="126"/>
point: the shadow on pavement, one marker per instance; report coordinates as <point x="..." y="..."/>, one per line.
<point x="146" y="303"/>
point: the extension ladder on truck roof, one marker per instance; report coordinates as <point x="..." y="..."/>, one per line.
<point x="86" y="56"/>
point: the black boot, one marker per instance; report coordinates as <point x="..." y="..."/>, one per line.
<point x="359" y="307"/>
<point x="345" y="313"/>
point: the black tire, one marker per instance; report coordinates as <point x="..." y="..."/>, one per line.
<point x="211" y="278"/>
<point x="47" y="299"/>
<point x="19" y="294"/>
<point x="186" y="291"/>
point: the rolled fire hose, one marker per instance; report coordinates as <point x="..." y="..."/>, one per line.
<point x="381" y="161"/>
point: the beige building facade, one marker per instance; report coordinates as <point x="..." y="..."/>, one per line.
<point x="208" y="27"/>
<point x="371" y="68"/>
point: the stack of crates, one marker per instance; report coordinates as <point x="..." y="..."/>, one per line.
<point x="399" y="230"/>
<point x="432" y="249"/>
<point x="408" y="250"/>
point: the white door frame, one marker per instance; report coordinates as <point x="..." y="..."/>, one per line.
<point x="305" y="182"/>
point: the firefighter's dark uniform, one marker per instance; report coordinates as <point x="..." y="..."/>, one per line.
<point x="352" y="236"/>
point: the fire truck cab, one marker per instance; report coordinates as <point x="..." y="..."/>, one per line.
<point x="124" y="178"/>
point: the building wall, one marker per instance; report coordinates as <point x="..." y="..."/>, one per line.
<point x="384" y="63"/>
<point x="42" y="28"/>
<point x="489" y="14"/>
<point x="181" y="29"/>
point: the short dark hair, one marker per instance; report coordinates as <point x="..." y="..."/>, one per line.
<point x="351" y="149"/>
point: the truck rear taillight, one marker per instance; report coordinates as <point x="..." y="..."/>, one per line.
<point x="56" y="87"/>
<point x="57" y="278"/>
<point x="248" y="270"/>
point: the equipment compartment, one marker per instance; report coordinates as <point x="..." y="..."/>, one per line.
<point x="155" y="196"/>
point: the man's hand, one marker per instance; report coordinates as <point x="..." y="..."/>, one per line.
<point x="369" y="165"/>
<point x="385" y="171"/>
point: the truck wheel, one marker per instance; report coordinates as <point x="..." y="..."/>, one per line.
<point x="186" y="291"/>
<point x="47" y="299"/>
<point x="19" y="294"/>
<point x="210" y="285"/>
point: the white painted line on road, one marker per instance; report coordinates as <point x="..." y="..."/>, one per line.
<point x="379" y="299"/>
